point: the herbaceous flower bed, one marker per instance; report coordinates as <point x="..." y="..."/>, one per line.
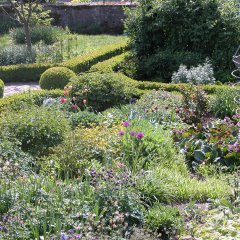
<point x="90" y="162"/>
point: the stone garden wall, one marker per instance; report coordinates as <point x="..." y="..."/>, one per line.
<point x="88" y="18"/>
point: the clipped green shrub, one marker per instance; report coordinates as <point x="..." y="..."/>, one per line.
<point x="165" y="220"/>
<point x="23" y="72"/>
<point x="101" y="91"/>
<point x="22" y="100"/>
<point x="109" y="65"/>
<point x="56" y="78"/>
<point x="32" y="72"/>
<point x="1" y="88"/>
<point x="47" y="34"/>
<point x="37" y="129"/>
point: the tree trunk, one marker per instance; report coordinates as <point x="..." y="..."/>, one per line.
<point x="27" y="37"/>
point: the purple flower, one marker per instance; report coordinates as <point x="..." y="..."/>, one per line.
<point x="121" y="133"/>
<point x="234" y="147"/>
<point x="126" y="123"/>
<point x="63" y="236"/>
<point x="139" y="135"/>
<point x="70" y="231"/>
<point x="133" y="134"/>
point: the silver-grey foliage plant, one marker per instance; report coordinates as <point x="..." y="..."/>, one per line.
<point x="202" y="74"/>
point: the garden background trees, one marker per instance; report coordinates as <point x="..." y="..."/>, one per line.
<point x="167" y="33"/>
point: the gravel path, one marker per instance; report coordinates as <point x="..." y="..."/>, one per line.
<point x="12" y="88"/>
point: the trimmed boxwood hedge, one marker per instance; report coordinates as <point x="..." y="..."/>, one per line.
<point x="32" y="72"/>
<point x="1" y="88"/>
<point x="110" y="66"/>
<point x="16" y="101"/>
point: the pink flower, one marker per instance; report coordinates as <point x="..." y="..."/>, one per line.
<point x="121" y="133"/>
<point x="126" y="123"/>
<point x="74" y="106"/>
<point x="139" y="135"/>
<point x="63" y="100"/>
<point x="65" y="88"/>
<point x="69" y="87"/>
<point x="84" y="101"/>
<point x="74" y="99"/>
<point x="65" y="93"/>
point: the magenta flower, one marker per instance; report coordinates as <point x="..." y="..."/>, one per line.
<point x="126" y="123"/>
<point x="133" y="134"/>
<point x="121" y="133"/>
<point x="139" y="135"/>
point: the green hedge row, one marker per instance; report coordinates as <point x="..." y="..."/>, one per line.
<point x="110" y="66"/>
<point x="32" y="72"/>
<point x="84" y="63"/>
<point x="1" y="88"/>
<point x="17" y="101"/>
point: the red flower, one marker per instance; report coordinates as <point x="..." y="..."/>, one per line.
<point x="63" y="100"/>
<point x="74" y="106"/>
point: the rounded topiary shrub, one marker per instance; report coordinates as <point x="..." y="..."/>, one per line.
<point x="56" y="77"/>
<point x="1" y="88"/>
<point x="101" y="91"/>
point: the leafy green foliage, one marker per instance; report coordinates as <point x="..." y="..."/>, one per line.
<point x="225" y="102"/>
<point x="1" y="88"/>
<point x="16" y="54"/>
<point x="194" y="105"/>
<point x="56" y="78"/>
<point x="101" y="91"/>
<point x="36" y="129"/>
<point x="165" y="220"/>
<point x="204" y="28"/>
<point x="217" y="142"/>
<point x="80" y="149"/>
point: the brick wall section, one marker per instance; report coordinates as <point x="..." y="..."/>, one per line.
<point x="89" y="18"/>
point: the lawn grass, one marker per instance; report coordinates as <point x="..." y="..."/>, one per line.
<point x="5" y="41"/>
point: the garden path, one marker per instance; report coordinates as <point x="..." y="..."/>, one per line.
<point x="17" y="87"/>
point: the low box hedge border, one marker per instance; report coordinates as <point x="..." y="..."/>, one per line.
<point x="111" y="66"/>
<point x="32" y="72"/>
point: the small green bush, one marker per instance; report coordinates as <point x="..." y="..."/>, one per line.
<point x="21" y="100"/>
<point x="56" y="77"/>
<point x="85" y="118"/>
<point x="101" y="91"/>
<point x="165" y="220"/>
<point x="1" y="88"/>
<point x="47" y="34"/>
<point x="36" y="128"/>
